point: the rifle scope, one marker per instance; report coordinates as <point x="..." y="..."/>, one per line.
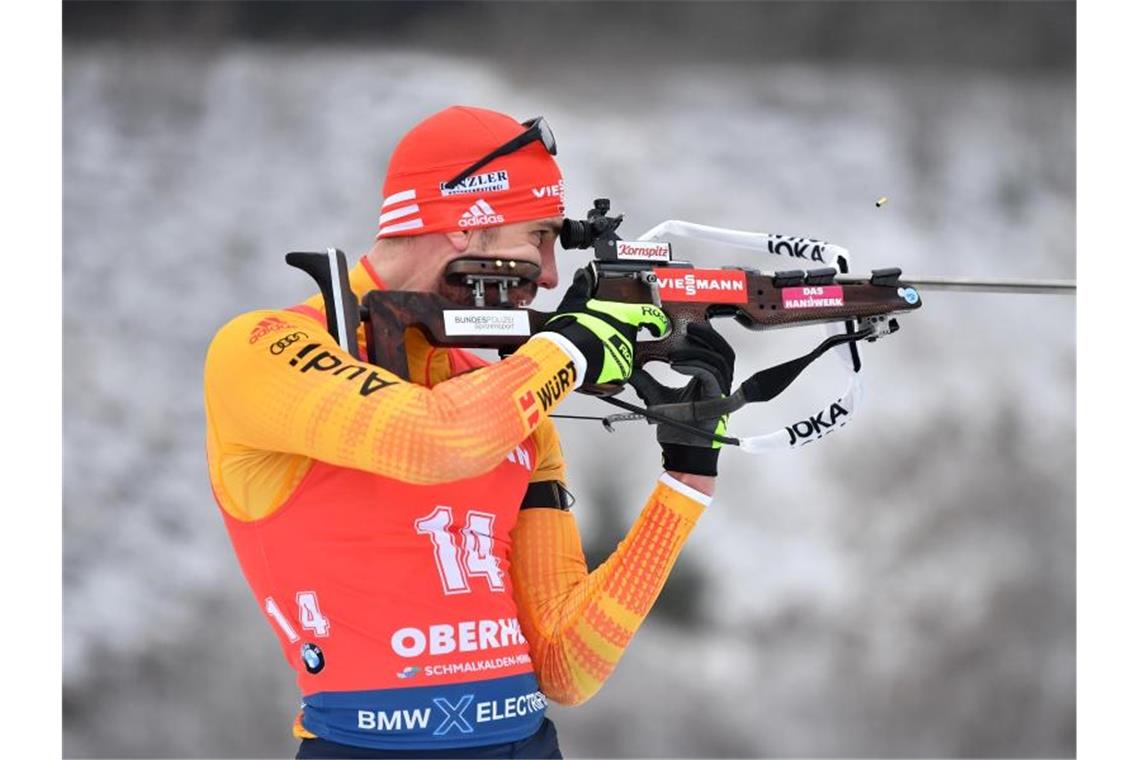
<point x="577" y="233"/>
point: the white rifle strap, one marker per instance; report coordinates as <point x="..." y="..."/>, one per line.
<point x="836" y="413"/>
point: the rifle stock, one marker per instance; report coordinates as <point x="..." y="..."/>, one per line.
<point x="763" y="301"/>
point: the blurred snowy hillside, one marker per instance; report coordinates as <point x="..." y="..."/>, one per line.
<point x="904" y="588"/>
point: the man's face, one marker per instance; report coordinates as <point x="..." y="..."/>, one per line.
<point x="531" y="242"/>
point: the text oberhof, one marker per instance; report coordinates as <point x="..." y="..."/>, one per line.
<point x="467" y="636"/>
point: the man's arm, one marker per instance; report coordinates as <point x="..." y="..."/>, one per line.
<point x="579" y="623"/>
<point x="294" y="390"/>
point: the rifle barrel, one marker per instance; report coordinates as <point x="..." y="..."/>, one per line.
<point x="977" y="285"/>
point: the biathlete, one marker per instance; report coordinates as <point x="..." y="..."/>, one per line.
<point x="411" y="543"/>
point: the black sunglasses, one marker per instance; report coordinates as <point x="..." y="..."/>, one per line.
<point x="537" y="129"/>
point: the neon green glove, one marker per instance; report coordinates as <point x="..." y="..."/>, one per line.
<point x="604" y="331"/>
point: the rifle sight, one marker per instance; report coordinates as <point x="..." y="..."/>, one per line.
<point x="577" y="233"/>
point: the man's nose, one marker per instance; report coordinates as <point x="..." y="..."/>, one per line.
<point x="548" y="275"/>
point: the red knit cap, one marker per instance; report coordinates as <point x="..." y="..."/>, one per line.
<point x="518" y="187"/>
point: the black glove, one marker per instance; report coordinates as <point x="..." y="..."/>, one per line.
<point x="604" y="331"/>
<point x="706" y="356"/>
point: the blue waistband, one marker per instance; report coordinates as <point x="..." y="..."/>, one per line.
<point x="429" y="717"/>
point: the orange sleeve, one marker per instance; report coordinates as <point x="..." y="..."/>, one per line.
<point x="294" y="390"/>
<point x="579" y="623"/>
<point x="550" y="464"/>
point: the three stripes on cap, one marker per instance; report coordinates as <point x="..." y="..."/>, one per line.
<point x="400" y="212"/>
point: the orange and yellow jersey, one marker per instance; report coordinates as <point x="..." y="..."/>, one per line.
<point x="378" y="524"/>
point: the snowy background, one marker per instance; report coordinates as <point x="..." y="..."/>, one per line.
<point x="905" y="588"/>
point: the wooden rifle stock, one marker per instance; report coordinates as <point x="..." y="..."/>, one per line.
<point x="763" y="301"/>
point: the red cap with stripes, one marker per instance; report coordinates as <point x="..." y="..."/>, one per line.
<point x="520" y="186"/>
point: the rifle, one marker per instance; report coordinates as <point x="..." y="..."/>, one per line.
<point x="853" y="309"/>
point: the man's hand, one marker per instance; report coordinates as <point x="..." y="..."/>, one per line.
<point x="709" y="359"/>
<point x="604" y="331"/>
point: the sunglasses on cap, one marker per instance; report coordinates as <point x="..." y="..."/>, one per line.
<point x="537" y="130"/>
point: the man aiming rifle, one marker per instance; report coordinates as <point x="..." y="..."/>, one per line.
<point x="408" y="535"/>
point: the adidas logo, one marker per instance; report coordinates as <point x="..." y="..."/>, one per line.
<point x="479" y="215"/>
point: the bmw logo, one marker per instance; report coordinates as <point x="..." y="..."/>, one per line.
<point x="313" y="657"/>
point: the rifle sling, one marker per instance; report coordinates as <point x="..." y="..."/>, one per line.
<point x="766" y="384"/>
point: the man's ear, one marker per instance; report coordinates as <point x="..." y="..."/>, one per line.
<point x="459" y="240"/>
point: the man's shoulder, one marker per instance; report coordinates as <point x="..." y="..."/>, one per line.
<point x="254" y="328"/>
